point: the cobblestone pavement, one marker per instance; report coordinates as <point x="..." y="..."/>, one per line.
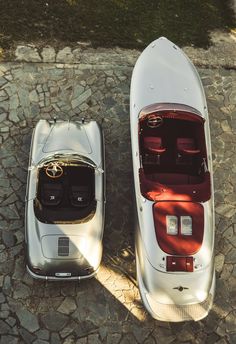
<point x="106" y="309"/>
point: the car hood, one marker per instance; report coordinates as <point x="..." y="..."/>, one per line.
<point x="64" y="137"/>
<point x="67" y="136"/>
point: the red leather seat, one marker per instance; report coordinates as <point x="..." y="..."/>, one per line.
<point x="187" y="146"/>
<point x="154" y="145"/>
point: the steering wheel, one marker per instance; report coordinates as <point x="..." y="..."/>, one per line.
<point x="154" y="121"/>
<point x="54" y="170"/>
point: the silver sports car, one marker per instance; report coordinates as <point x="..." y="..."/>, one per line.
<point x="174" y="193"/>
<point x="64" y="216"/>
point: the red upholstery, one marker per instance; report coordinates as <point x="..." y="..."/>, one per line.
<point x="153" y="145"/>
<point x="157" y="191"/>
<point x="187" y="146"/>
<point x="179" y="244"/>
<point x="174" y="178"/>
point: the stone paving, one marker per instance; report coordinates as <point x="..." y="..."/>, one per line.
<point x="106" y="309"/>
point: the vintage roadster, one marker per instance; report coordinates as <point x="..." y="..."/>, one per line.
<point x="64" y="217"/>
<point x="174" y="194"/>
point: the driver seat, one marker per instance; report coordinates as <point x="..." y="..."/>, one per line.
<point x="154" y="145"/>
<point x="51" y="194"/>
<point x="154" y="149"/>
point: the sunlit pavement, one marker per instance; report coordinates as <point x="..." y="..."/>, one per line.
<point x="83" y="82"/>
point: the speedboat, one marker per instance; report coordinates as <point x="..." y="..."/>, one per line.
<point x="65" y="200"/>
<point x="172" y="168"/>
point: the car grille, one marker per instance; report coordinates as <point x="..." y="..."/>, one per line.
<point x="63" y="247"/>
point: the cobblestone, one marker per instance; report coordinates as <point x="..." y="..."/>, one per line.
<point x="54" y="321"/>
<point x="27" y="320"/>
<point x="67" y="306"/>
<point x="76" y="83"/>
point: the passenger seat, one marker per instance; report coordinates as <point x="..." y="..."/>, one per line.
<point x="80" y="195"/>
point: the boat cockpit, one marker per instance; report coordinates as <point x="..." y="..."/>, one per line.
<point x="173" y="156"/>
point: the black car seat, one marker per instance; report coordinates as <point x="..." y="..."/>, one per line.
<point x="51" y="194"/>
<point x="80" y="195"/>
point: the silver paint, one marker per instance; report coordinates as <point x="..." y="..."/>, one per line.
<point x="81" y="141"/>
<point x="175" y="81"/>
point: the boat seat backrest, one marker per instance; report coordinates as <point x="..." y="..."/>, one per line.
<point x="154" y="145"/>
<point x="187" y="146"/>
<point x="175" y="178"/>
<point x="156" y="191"/>
<point x="80" y="195"/>
<point x="51" y="194"/>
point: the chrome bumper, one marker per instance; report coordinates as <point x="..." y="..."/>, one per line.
<point x="54" y="278"/>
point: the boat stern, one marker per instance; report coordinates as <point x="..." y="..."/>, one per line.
<point x="176" y="297"/>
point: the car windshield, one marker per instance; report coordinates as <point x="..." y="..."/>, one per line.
<point x="67" y="158"/>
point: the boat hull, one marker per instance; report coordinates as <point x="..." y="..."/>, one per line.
<point x="164" y="81"/>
